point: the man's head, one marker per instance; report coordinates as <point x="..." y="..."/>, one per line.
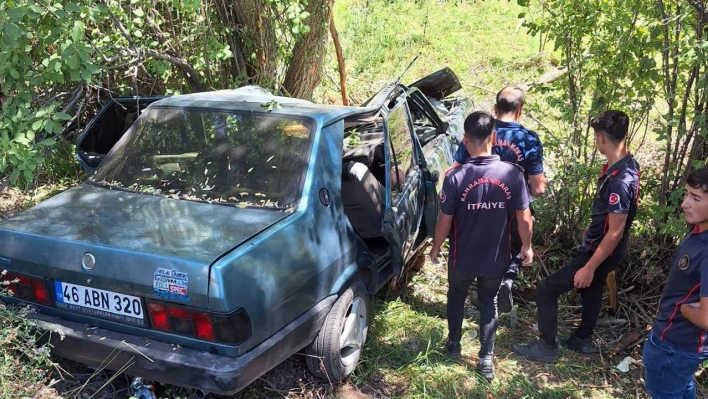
<point x="695" y="200"/>
<point x="610" y="130"/>
<point x="479" y="132"/>
<point x="510" y="102"/>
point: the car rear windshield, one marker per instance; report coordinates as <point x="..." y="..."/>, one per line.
<point x="237" y="158"/>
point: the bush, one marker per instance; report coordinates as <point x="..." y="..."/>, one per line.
<point x="24" y="365"/>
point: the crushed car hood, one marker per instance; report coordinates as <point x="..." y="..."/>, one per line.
<point x="189" y="230"/>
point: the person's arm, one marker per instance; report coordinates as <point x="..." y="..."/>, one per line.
<point x="538" y="184"/>
<point x="697" y="312"/>
<point x="448" y="204"/>
<point x="459" y="157"/>
<point x="525" y="224"/>
<point x="442" y="230"/>
<point x="455" y="165"/>
<point x="534" y="167"/>
<point x="615" y="232"/>
<point x="620" y="200"/>
<point x="521" y="201"/>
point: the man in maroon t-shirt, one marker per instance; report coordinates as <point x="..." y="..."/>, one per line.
<point x="478" y="202"/>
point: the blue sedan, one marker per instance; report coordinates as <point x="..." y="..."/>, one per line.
<point x="222" y="232"/>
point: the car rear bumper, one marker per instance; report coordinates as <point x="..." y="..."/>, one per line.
<point x="185" y="367"/>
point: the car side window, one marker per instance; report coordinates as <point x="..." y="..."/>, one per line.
<point x="401" y="144"/>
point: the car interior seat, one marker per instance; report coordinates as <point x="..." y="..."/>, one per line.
<point x="363" y="199"/>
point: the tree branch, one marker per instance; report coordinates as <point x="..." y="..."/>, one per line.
<point x="340" y="56"/>
<point x="139" y="53"/>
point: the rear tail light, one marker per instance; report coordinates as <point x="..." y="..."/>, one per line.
<point x="23" y="287"/>
<point x="233" y="329"/>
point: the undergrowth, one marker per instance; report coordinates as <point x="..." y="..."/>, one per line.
<point x="25" y="366"/>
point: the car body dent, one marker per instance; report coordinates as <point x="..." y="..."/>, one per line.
<point x="305" y="258"/>
<point x="277" y="266"/>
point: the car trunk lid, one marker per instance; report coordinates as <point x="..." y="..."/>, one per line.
<point x="140" y="245"/>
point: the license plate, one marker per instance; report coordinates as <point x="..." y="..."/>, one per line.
<point x="108" y="304"/>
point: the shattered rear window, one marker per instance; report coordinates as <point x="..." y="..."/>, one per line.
<point x="236" y="158"/>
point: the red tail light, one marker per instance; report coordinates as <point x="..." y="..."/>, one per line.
<point x="40" y="292"/>
<point x="23" y="287"/>
<point x="203" y="327"/>
<point x="158" y="317"/>
<point x="234" y="328"/>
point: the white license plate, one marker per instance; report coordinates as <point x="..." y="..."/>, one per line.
<point x="100" y="303"/>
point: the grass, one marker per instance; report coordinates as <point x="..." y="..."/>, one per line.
<point x="486" y="46"/>
<point x="407" y="339"/>
<point x="404" y="358"/>
<point x="482" y="41"/>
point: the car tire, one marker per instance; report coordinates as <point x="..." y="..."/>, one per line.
<point x="335" y="352"/>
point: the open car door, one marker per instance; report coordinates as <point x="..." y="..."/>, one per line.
<point x="438" y="85"/>
<point x="107" y="127"/>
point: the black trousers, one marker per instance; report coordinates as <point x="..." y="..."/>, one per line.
<point x="487" y="289"/>
<point x="560" y="283"/>
<point x="515" y="249"/>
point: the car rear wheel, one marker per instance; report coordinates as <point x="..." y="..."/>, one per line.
<point x="335" y="352"/>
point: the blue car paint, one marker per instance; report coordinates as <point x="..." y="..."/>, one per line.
<point x="275" y="265"/>
<point x="309" y="256"/>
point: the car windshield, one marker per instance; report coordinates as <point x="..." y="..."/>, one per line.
<point x="236" y="158"/>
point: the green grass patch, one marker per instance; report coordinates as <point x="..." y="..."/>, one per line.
<point x="482" y="41"/>
<point x="405" y="350"/>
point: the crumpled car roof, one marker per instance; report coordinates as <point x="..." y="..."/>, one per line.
<point x="253" y="98"/>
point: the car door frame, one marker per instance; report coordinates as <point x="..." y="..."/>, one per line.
<point x="432" y="179"/>
<point x="400" y="230"/>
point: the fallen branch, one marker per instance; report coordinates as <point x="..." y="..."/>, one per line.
<point x="139" y="54"/>
<point x="627" y="341"/>
<point x="340" y="57"/>
<point x="642" y="313"/>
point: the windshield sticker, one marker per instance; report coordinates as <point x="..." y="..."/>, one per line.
<point x="171" y="284"/>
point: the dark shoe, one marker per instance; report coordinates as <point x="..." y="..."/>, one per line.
<point x="539" y="351"/>
<point x="486" y="368"/>
<point x="453" y="349"/>
<point x="504" y="300"/>
<point x="579" y="345"/>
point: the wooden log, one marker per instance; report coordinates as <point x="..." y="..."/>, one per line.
<point x="612" y="287"/>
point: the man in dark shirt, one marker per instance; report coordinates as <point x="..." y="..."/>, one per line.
<point x="521" y="146"/>
<point x="478" y="201"/>
<point x="603" y="247"/>
<point x="678" y="342"/>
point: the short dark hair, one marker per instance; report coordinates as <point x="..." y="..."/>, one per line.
<point x="698" y="178"/>
<point x="510" y="99"/>
<point x="479" y="126"/>
<point x="614" y="124"/>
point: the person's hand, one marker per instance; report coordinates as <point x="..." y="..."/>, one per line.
<point x="526" y="255"/>
<point x="583" y="278"/>
<point x="434" y="252"/>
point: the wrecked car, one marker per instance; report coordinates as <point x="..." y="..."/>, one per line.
<point x="221" y="232"/>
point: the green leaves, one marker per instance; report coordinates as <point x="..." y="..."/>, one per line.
<point x="11" y="33"/>
<point x="77" y="31"/>
<point x="16" y="13"/>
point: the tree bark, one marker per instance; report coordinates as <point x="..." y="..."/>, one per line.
<point x="257" y="31"/>
<point x="305" y="70"/>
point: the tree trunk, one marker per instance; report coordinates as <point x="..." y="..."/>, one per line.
<point x="305" y="69"/>
<point x="257" y="32"/>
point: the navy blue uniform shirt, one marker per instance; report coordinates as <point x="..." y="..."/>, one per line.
<point x="482" y="195"/>
<point x="687" y="283"/>
<point x="514" y="144"/>
<point x="617" y="192"/>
